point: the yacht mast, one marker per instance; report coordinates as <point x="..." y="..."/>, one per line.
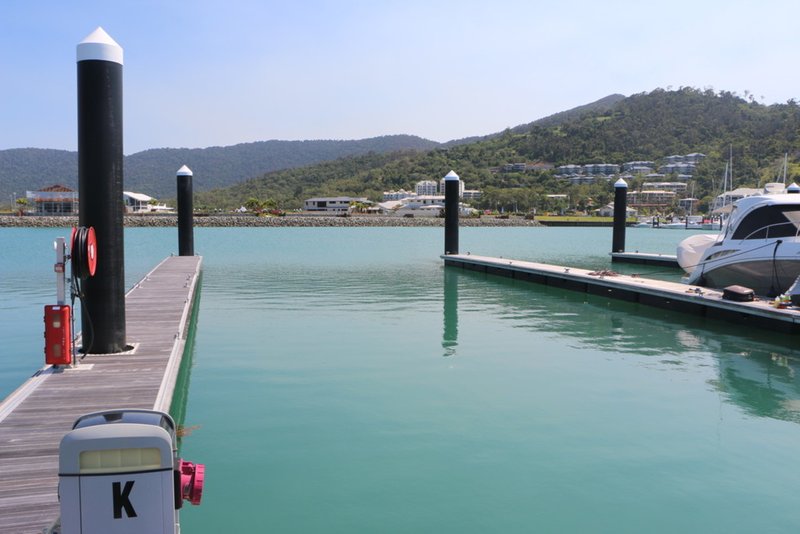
<point x="730" y="159"/>
<point x="725" y="190"/>
<point x="785" y="164"/>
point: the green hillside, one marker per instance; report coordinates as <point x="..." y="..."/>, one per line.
<point x="646" y="126"/>
<point x="604" y="104"/>
<point x="615" y="129"/>
<point x="153" y="171"/>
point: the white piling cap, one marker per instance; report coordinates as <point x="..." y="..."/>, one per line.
<point x="185" y="171"/>
<point x="620" y="183"/>
<point x="99" y="45"/>
<point x="451" y="176"/>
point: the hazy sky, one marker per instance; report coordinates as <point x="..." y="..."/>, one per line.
<point x="206" y="73"/>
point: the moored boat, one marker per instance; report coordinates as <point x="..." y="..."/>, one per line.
<point x="691" y="222"/>
<point x="759" y="247"/>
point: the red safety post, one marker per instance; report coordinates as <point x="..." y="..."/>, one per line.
<point x="57" y="335"/>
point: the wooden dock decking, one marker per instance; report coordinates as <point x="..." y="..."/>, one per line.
<point x="36" y="416"/>
<point x="668" y="295"/>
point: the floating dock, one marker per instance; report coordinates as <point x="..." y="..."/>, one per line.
<point x="34" y="418"/>
<point x="668" y="295"/>
<point x="642" y="258"/>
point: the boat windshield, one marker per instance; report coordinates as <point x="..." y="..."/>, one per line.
<point x="769" y="222"/>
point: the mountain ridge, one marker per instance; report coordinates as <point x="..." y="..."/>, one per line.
<point x="645" y="126"/>
<point x="150" y="171"/>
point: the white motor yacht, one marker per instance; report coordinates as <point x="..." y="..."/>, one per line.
<point x="758" y="247"/>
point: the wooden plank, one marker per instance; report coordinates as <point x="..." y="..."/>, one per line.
<point x="39" y="413"/>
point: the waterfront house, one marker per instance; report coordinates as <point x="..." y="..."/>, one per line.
<point x="608" y="211"/>
<point x="423" y="201"/>
<point x="53" y="200"/>
<point x="141" y="203"/>
<point x="656" y="198"/>
<point x="331" y="204"/>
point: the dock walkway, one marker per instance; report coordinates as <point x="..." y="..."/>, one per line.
<point x="668" y="295"/>
<point x="643" y="258"/>
<point x="36" y="416"/>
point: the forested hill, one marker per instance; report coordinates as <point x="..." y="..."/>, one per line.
<point x="604" y="104"/>
<point x="598" y="107"/>
<point x="647" y="126"/>
<point x="153" y="171"/>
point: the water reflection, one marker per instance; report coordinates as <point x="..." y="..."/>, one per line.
<point x="180" y="394"/>
<point x="764" y="383"/>
<point x="450" y="335"/>
<point x="286" y="287"/>
<point x="756" y="370"/>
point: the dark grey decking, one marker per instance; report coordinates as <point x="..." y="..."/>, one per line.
<point x="34" y="418"/>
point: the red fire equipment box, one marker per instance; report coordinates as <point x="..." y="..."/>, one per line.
<point x="57" y="335"/>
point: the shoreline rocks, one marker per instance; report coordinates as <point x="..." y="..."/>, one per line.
<point x="245" y="221"/>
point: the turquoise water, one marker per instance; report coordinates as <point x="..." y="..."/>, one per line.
<point x="344" y="381"/>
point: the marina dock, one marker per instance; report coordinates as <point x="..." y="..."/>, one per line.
<point x="668" y="295"/>
<point x="33" y="419"/>
<point x="643" y="258"/>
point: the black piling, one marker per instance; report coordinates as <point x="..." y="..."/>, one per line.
<point x="620" y="209"/>
<point x="100" y="189"/>
<point x="185" y="212"/>
<point x="451" y="201"/>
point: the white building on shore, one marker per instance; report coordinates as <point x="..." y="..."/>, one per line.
<point x="331" y="204"/>
<point x="141" y="203"/>
<point x="426" y="188"/>
<point x="397" y="195"/>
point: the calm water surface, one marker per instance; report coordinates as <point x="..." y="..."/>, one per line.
<point x="344" y="381"/>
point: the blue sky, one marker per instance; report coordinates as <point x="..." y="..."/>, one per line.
<point x="210" y="73"/>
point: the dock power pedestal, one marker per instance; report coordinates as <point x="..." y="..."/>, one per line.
<point x="119" y="473"/>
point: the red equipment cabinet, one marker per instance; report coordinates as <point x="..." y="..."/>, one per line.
<point x="57" y="335"/>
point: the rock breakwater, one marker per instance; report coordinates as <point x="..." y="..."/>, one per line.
<point x="144" y="221"/>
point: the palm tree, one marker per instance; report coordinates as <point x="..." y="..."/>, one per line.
<point x="22" y="202"/>
<point x="255" y="205"/>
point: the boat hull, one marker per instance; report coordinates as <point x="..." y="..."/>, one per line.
<point x="764" y="276"/>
